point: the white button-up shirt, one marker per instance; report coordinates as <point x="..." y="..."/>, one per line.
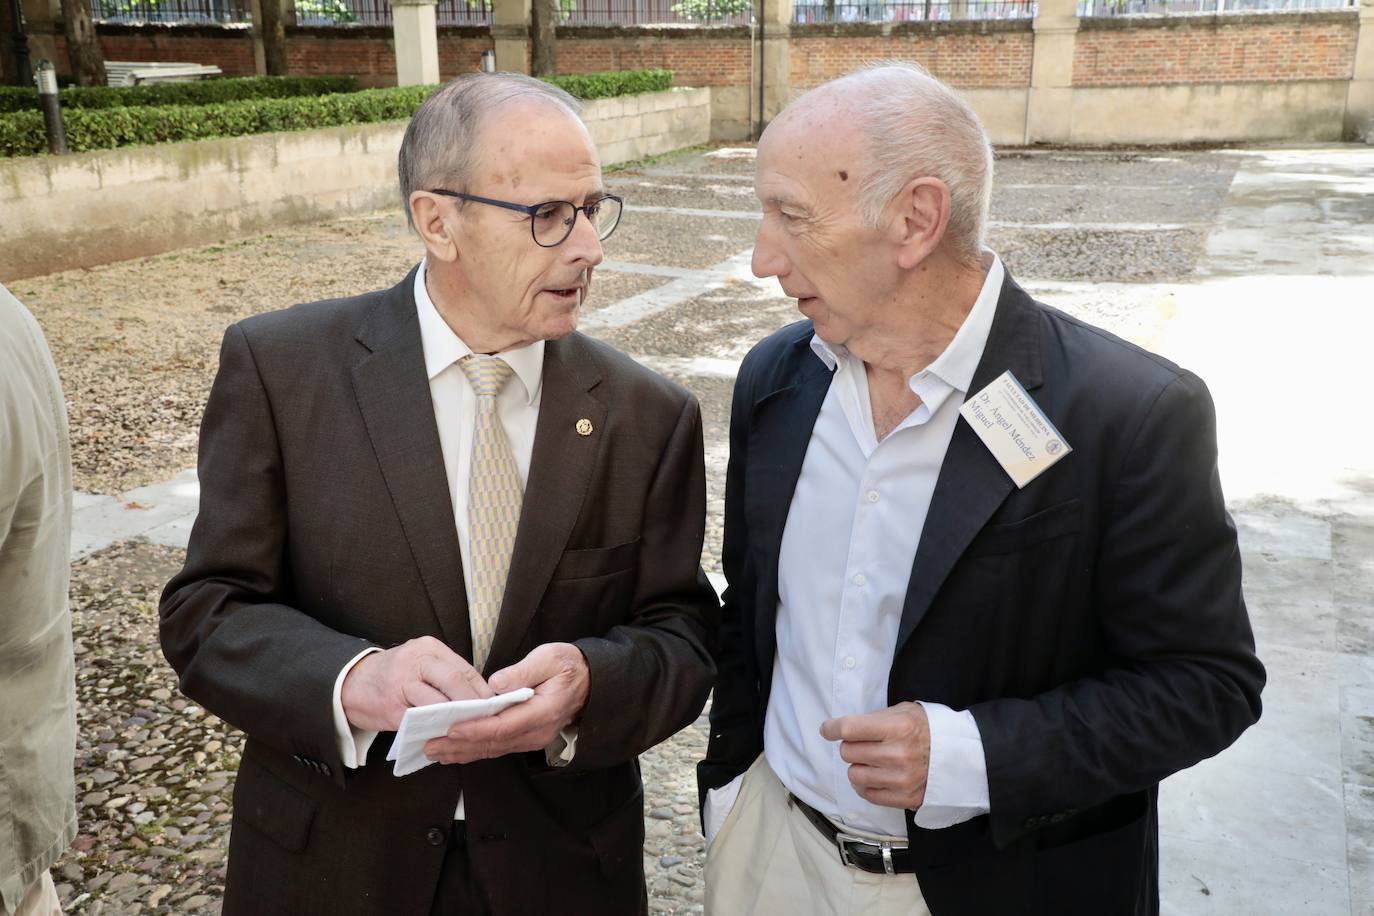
<point x="855" y="520"/>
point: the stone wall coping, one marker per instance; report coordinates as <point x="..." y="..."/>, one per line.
<point x="1248" y="19"/>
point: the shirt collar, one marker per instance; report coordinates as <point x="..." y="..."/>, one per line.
<point x="956" y="365"/>
<point x="443" y="347"/>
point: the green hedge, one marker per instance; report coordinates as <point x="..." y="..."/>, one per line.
<point x="200" y="92"/>
<point x="21" y="133"/>
<point x="609" y="85"/>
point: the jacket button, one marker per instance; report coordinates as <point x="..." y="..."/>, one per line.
<point x="435" y="836"/>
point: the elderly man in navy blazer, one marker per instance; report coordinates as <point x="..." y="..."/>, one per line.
<point x="983" y="590"/>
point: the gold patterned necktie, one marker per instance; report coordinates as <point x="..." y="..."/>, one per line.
<point x="494" y="496"/>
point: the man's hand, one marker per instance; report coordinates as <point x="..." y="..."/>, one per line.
<point x="382" y="686"/>
<point x="558" y="673"/>
<point x="888" y="752"/>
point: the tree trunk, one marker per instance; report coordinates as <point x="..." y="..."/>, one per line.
<point x="9" y="63"/>
<point x="544" y="38"/>
<point x="829" y="10"/>
<point x="273" y="27"/>
<point x="83" y="47"/>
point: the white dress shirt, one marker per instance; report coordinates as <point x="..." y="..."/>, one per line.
<point x="844" y="565"/>
<point x="455" y="409"/>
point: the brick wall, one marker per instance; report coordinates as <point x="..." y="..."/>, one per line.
<point x="974" y="55"/>
<point x="362" y="52"/>
<point x="983" y="55"/>
<point x="708" y="57"/>
<point x="1215" y="49"/>
<point x="368" y="52"/>
<point x="229" y="48"/>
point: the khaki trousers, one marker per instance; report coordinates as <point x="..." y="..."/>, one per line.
<point x="768" y="859"/>
<point x="40" y="899"/>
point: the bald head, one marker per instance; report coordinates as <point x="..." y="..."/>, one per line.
<point x="897" y="122"/>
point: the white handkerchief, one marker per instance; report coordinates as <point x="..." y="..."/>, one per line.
<point x="421" y="723"/>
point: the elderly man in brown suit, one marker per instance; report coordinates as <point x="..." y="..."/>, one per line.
<point x="37" y="697"/>
<point x="440" y="492"/>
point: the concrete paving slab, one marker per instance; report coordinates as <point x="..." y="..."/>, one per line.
<point x="1256" y="810"/>
<point x="1201" y="879"/>
<point x="1359" y="807"/>
<point x="109" y="520"/>
<point x="1352" y="539"/>
<point x="1278" y="531"/>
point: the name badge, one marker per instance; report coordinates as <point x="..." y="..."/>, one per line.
<point x="1015" y="429"/>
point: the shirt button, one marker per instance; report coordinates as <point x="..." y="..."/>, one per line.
<point x="873" y="496"/>
<point x="860" y="579"/>
<point x="435" y="836"/>
<point x="849" y="661"/>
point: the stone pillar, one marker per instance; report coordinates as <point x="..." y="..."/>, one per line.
<point x="1359" y="99"/>
<point x="1049" y="105"/>
<point x="416" y="38"/>
<point x="510" y="34"/>
<point x="775" y="48"/>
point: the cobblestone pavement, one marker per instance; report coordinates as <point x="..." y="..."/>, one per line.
<point x="136" y="345"/>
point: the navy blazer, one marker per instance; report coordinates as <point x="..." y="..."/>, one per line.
<point x="1092" y="621"/>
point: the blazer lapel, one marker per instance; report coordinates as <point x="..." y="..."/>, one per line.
<point x="392" y="390"/>
<point x="560" y="473"/>
<point x="972" y="485"/>
<point x="779" y="433"/>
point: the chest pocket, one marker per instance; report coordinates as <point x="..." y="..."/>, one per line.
<point x="1013" y="537"/>
<point x="592" y="562"/>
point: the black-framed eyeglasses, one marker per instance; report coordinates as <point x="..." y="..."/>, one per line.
<point x="552" y="221"/>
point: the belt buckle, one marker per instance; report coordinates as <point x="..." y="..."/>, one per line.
<point x="884" y="848"/>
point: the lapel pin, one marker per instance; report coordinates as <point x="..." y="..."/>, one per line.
<point x="584" y="427"/>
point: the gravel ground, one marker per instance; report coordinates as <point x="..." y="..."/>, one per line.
<point x="136" y="346"/>
<point x="154" y="772"/>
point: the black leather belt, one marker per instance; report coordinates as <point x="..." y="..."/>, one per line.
<point x="865" y="855"/>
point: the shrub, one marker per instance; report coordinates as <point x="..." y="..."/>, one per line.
<point x="21" y="133"/>
<point x="91" y="128"/>
<point x="200" y="92"/>
<point x="609" y="85"/>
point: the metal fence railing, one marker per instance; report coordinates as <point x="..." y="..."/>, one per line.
<point x="378" y="12"/>
<point x="194" y="11"/>
<point x="308" y="12"/>
<point x="699" y="12"/>
<point x="1090" y="8"/>
<point x="656" y="12"/>
<point x="909" y="10"/>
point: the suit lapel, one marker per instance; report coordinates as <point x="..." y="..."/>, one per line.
<point x="779" y="433"/>
<point x="561" y="468"/>
<point x="392" y="390"/>
<point x="972" y="485"/>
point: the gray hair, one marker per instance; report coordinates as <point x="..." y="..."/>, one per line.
<point x="442" y="141"/>
<point x="914" y="125"/>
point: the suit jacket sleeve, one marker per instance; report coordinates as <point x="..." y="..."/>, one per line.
<point x="651" y="674"/>
<point x="736" y="718"/>
<point x="227" y="625"/>
<point x="1186" y="681"/>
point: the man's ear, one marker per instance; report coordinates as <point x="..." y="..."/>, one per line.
<point x="427" y="212"/>
<point x="917" y="218"/>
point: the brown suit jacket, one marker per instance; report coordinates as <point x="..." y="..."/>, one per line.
<point x="326" y="525"/>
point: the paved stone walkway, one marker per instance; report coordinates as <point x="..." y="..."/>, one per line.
<point x="1255" y="269"/>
